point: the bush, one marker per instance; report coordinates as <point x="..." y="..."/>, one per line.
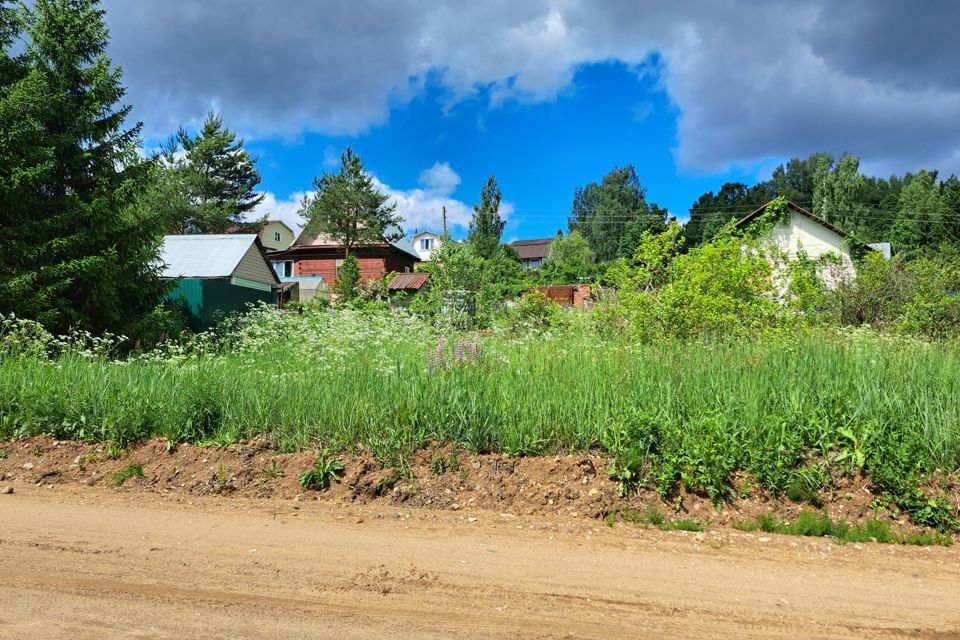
<point x="348" y="279"/>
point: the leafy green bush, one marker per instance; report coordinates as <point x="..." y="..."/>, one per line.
<point x="326" y="469"/>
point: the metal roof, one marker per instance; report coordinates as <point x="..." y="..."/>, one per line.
<point x="326" y="240"/>
<point x="533" y="249"/>
<point x="403" y="281"/>
<point x="204" y="256"/>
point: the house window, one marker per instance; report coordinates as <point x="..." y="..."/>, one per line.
<point x="276" y="236"/>
<point x="338" y="265"/>
<point x="426" y="244"/>
<point x="283" y="268"/>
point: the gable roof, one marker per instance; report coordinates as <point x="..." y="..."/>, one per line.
<point x="532" y="249"/>
<point x="326" y="240"/>
<point x="797" y="208"/>
<point x="207" y="256"/>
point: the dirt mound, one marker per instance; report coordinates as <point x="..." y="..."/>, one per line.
<point x="439" y="477"/>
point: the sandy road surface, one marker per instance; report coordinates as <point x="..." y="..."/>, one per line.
<point x="78" y="563"/>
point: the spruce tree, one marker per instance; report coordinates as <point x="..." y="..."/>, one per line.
<point x="214" y="185"/>
<point x="75" y="251"/>
<point x="486" y="227"/>
<point x="348" y="207"/>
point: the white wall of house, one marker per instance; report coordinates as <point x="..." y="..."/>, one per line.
<point x="425" y="243"/>
<point x="801" y="233"/>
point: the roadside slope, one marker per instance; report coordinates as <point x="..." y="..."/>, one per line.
<point x="90" y="563"/>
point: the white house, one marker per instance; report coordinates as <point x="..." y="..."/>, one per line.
<point x="425" y="243"/>
<point x="806" y="232"/>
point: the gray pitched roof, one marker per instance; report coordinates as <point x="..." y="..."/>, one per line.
<point x="204" y="256"/>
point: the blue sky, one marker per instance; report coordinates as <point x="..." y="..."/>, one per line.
<point x="611" y="115"/>
<point x="546" y="94"/>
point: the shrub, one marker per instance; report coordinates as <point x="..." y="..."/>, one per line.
<point x="326" y="469"/>
<point x="348" y="279"/>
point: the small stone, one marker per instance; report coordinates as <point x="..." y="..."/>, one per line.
<point x="593" y="492"/>
<point x="91" y="481"/>
<point x="6" y="491"/>
<point x="77" y="460"/>
<point x="28" y="466"/>
<point x="763" y="539"/>
<point x="471" y="519"/>
<point x="476" y="464"/>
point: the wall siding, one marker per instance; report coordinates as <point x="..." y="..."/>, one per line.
<point x="253" y="267"/>
<point x="323" y="262"/>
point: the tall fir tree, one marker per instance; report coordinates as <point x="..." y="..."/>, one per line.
<point x="348" y="206"/>
<point x="213" y="186"/>
<point x="82" y="254"/>
<point x="486" y="227"/>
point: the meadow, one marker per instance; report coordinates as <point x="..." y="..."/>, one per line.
<point x="792" y="410"/>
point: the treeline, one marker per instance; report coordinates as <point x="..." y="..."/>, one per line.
<point x="915" y="212"/>
<point x="83" y="212"/>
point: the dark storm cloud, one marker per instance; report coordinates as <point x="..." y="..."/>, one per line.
<point x="751" y="80"/>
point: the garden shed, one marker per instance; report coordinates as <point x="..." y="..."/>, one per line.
<point x="217" y="275"/>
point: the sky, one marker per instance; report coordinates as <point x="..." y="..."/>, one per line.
<point x="546" y="95"/>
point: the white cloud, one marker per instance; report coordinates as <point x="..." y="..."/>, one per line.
<point x="285" y="210"/>
<point x="422" y="207"/>
<point x="750" y="80"/>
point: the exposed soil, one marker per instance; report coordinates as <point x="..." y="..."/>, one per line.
<point x="81" y="563"/>
<point x="568" y="486"/>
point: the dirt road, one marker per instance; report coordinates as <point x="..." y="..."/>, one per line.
<point x="87" y="563"/>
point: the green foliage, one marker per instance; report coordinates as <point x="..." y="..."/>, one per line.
<point x="711" y="213"/>
<point x="348" y="206"/>
<point x="83" y="255"/>
<point x="793" y="409"/>
<point x="211" y="187"/>
<point x="347" y="286"/>
<point x="571" y="261"/>
<point x="919" y="296"/>
<point x="714" y="289"/>
<point x="326" y="470"/>
<point x="467" y="289"/>
<point x="486" y="226"/>
<point x="921" y="214"/>
<point x="613" y="215"/>
<point x="132" y="470"/>
<point x="819" y="525"/>
<point x="271" y="472"/>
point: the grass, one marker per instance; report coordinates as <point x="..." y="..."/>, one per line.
<point x="651" y="517"/>
<point x="814" y="524"/>
<point x="680" y="413"/>
<point x="132" y="470"/>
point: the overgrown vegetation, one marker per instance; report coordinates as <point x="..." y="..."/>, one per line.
<point x="794" y="409"/>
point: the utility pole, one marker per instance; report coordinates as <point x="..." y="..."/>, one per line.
<point x="444" y="219"/>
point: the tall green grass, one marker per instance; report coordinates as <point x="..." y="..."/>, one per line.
<point x="346" y="380"/>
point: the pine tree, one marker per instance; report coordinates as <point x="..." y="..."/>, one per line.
<point x="81" y="255"/>
<point x="486" y="227"/>
<point x="348" y="206"/>
<point x="215" y="181"/>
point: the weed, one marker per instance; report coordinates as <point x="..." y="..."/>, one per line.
<point x="132" y="470"/>
<point x="813" y="524"/>
<point x="171" y="446"/>
<point x="326" y="470"/>
<point x="273" y="471"/>
<point x="112" y="452"/>
<point x="649" y="517"/>
<point x="441" y="464"/>
<point x="37" y="451"/>
<point x="4" y="453"/>
<point x="683" y="524"/>
<point x="223" y="480"/>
